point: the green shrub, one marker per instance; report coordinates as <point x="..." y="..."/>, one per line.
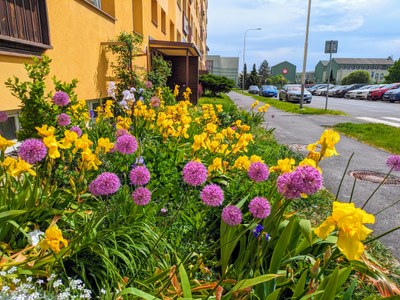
<point x="215" y="84"/>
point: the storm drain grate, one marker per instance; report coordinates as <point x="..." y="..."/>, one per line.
<point x="375" y="177"/>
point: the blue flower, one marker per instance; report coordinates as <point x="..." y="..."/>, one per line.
<point x="257" y="230"/>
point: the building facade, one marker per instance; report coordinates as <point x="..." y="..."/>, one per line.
<point x="286" y="69"/>
<point x="75" y="35"/>
<point x="309" y="77"/>
<point x="223" y="66"/>
<point x="342" y="67"/>
<point x="320" y="71"/>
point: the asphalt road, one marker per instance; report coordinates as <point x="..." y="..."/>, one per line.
<point x="297" y="131"/>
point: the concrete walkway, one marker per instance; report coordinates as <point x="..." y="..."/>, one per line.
<point x="301" y="130"/>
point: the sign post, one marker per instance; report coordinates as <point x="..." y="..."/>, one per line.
<point x="330" y="47"/>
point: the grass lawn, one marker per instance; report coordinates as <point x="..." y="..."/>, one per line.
<point x="378" y="135"/>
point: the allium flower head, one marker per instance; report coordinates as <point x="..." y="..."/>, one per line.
<point x="260" y="208"/>
<point x="288" y="186"/>
<point x="105" y="184"/>
<point x="393" y="162"/>
<point x="155" y="101"/>
<point x="61" y="98"/>
<point x="121" y="132"/>
<point x="63" y="119"/>
<point x="231" y="215"/>
<point x="141" y="196"/>
<point x="148" y="84"/>
<point x="258" y="172"/>
<point x="139" y="175"/>
<point x="126" y="144"/>
<point x="32" y="151"/>
<point x="194" y="173"/>
<point x="77" y="130"/>
<point x="311" y="179"/>
<point x="212" y="195"/>
<point x="3" y="116"/>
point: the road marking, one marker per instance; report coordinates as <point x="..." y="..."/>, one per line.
<point x="372" y="120"/>
<point x="393" y="119"/>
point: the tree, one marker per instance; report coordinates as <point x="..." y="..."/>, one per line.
<point x="216" y="84"/>
<point x="253" y="79"/>
<point x="357" y="77"/>
<point x="394" y="72"/>
<point x="264" y="71"/>
<point x="241" y="81"/>
<point x="278" y="80"/>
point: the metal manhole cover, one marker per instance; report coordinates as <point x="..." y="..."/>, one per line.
<point x="374" y="177"/>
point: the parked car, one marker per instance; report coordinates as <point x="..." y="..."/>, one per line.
<point x="315" y="87"/>
<point x="392" y="95"/>
<point x="322" y="91"/>
<point x="253" y="89"/>
<point x="342" y="92"/>
<point x="292" y="93"/>
<point x="352" y="93"/>
<point x="268" y="91"/>
<point x="378" y="93"/>
<point x="363" y="94"/>
<point x="332" y="91"/>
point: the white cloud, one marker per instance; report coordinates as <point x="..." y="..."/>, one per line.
<point x="344" y="24"/>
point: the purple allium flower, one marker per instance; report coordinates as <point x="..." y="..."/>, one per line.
<point x="32" y="150"/>
<point x="141" y="196"/>
<point x="63" y="119"/>
<point x="139" y="175"/>
<point x="258" y="172"/>
<point x="105" y="184"/>
<point x="212" y="195"/>
<point x="259" y="207"/>
<point x="61" y="98"/>
<point x="121" y="132"/>
<point x="311" y="179"/>
<point x="393" y="162"/>
<point x="231" y="215"/>
<point x="155" y="101"/>
<point x="194" y="173"/>
<point x="257" y="230"/>
<point x="3" y="116"/>
<point x="164" y="210"/>
<point x="288" y="186"/>
<point x="148" y="84"/>
<point x="77" y="130"/>
<point x="126" y="144"/>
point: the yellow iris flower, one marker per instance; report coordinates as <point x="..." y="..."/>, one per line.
<point x="4" y="143"/>
<point x="53" y="239"/>
<point x="52" y="144"/>
<point x="284" y="166"/>
<point x="350" y="222"/>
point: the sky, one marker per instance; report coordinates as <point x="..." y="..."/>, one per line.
<point x="363" y="29"/>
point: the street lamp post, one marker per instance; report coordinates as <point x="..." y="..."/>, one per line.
<point x="303" y="73"/>
<point x="244" y="53"/>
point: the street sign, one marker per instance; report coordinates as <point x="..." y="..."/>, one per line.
<point x="331" y="46"/>
<point x="285" y="71"/>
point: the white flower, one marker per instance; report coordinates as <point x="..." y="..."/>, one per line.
<point x="57" y="283"/>
<point x="128" y="95"/>
<point x="5" y="289"/>
<point x="12" y="270"/>
<point x="35" y="236"/>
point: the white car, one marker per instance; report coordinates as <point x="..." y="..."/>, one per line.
<point x="322" y="91"/>
<point x="352" y="94"/>
<point x="363" y="94"/>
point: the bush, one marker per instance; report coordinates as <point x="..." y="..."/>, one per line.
<point x="357" y="77"/>
<point x="216" y="84"/>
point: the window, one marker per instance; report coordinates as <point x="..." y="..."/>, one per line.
<point x="96" y="3"/>
<point x="163" y="22"/>
<point x="171" y="32"/>
<point x="23" y="26"/>
<point x="178" y="36"/>
<point x="154" y="13"/>
<point x="8" y="129"/>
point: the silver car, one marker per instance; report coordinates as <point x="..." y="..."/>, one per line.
<point x="292" y="93"/>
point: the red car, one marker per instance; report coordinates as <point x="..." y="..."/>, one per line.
<point x="378" y="93"/>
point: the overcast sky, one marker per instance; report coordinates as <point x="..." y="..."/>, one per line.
<point x="363" y="28"/>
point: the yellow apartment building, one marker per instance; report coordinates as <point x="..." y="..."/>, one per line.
<point x="75" y="33"/>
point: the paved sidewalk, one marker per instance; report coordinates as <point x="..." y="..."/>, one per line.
<point x="298" y="130"/>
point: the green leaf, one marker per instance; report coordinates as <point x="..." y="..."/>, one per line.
<point x="300" y="285"/>
<point x="19" y="228"/>
<point x="311" y="295"/>
<point x="274" y="295"/>
<point x="245" y="283"/>
<point x="187" y="292"/>
<point x="136" y="292"/>
<point x="349" y="292"/>
<point x="331" y="286"/>
<point x="10" y="213"/>
<point x="305" y="226"/>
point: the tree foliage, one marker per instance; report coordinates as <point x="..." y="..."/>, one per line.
<point x="264" y="71"/>
<point x="160" y="71"/>
<point x="216" y="84"/>
<point x="277" y="80"/>
<point x="253" y="79"/>
<point x="356" y="77"/>
<point x="394" y="73"/>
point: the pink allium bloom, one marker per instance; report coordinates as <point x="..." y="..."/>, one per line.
<point x="310" y="177"/>
<point x="258" y="172"/>
<point x="259" y="207"/>
<point x="63" y="119"/>
<point x="148" y="84"/>
<point x="61" y="98"/>
<point x="155" y="101"/>
<point x="77" y="130"/>
<point x="164" y="210"/>
<point x="212" y="195"/>
<point x="139" y="175"/>
<point x="105" y="184"/>
<point x="3" y="116"/>
<point x="120" y="132"/>
<point x="194" y="173"/>
<point x="32" y="150"/>
<point x="126" y="144"/>
<point x="141" y="196"/>
<point x="288" y="186"/>
<point x="231" y="215"/>
<point x="393" y="162"/>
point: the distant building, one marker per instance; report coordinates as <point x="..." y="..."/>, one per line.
<point x="286" y="69"/>
<point x="309" y="77"/>
<point x="320" y="71"/>
<point x="223" y="66"/>
<point x="342" y="67"/>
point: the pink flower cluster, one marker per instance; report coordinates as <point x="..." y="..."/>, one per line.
<point x="61" y="98"/>
<point x="194" y="173"/>
<point x="63" y="119"/>
<point x="393" y="162"/>
<point x="105" y="184"/>
<point x="258" y="172"/>
<point x="141" y="196"/>
<point x="126" y="144"/>
<point x="32" y="151"/>
<point x="212" y="195"/>
<point x="139" y="175"/>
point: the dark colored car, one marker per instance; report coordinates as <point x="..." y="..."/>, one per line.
<point x="292" y="93"/>
<point x="378" y="93"/>
<point x="268" y="91"/>
<point x="392" y="95"/>
<point x="342" y="92"/>
<point x="253" y="89"/>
